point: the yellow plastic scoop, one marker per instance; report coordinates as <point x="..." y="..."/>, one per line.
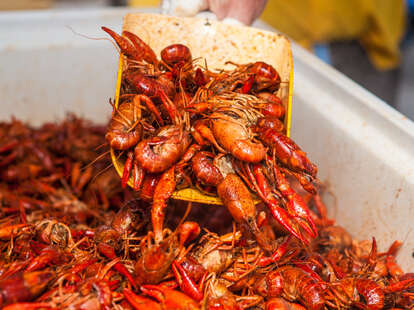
<point x="217" y="43"/>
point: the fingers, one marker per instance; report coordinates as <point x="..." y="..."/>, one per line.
<point x="183" y="7"/>
<point x="245" y="11"/>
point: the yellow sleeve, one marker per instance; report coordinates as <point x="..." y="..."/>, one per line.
<point x="143" y="3"/>
<point x="377" y="24"/>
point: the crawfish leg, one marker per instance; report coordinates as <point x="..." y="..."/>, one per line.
<point x="109" y="252"/>
<point x="296" y="206"/>
<point x="162" y="193"/>
<point x="127" y="168"/>
<point x="138" y="175"/>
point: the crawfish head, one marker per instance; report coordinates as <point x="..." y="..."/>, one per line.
<point x="346" y="292"/>
<point x="335" y="237"/>
<point x="219" y="297"/>
<point x="107" y="235"/>
<point x="156" y="258"/>
<point x="53" y="232"/>
<point x="126" y="219"/>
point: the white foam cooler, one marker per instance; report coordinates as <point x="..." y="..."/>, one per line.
<point x="364" y="149"/>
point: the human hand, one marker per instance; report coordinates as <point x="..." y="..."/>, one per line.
<point x="244" y="11"/>
<point x="183" y="7"/>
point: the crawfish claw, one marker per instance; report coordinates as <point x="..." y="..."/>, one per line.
<point x="186" y="284"/>
<point x="307" y="225"/>
<point x="287" y="222"/>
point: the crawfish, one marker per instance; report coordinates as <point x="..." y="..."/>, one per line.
<point x="287" y="151"/>
<point x="139" y="302"/>
<point x="295" y="205"/>
<point x="238" y="200"/>
<point x="151" y="87"/>
<point x="296" y="214"/>
<point x="270" y="122"/>
<point x="346" y="292"/>
<point x="176" y="53"/>
<point x="162" y="193"/>
<point x="273" y="111"/>
<point x="13" y="230"/>
<point x="177" y="57"/>
<point x="24" y="286"/>
<point x="293" y="284"/>
<point x="265" y="76"/>
<point x="219" y="297"/>
<point x="260" y="76"/>
<point x="281" y="304"/>
<point x="273" y="106"/>
<point x="215" y="254"/>
<point x="54" y="232"/>
<point x="159" y="153"/>
<point x="127" y="219"/>
<point x="204" y="170"/>
<point x="203" y="135"/>
<point x="124" y="130"/>
<point x="148" y="186"/>
<point x="156" y="257"/>
<point x="50" y="255"/>
<point x="234" y="137"/>
<point x="334" y="237"/>
<point x="170" y="298"/>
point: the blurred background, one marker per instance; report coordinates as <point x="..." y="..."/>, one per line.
<point x="370" y="41"/>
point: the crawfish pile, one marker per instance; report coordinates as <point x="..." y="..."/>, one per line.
<point x="73" y="236"/>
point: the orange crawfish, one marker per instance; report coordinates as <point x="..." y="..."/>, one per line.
<point x="24" y="286"/>
<point x="281" y="304"/>
<point x="296" y="213"/>
<point x="234" y="137"/>
<point x="292" y="284"/>
<point x="265" y="76"/>
<point x="151" y="87"/>
<point x="176" y="53"/>
<point x="204" y="169"/>
<point x="177" y="58"/>
<point x="273" y="105"/>
<point x="156" y="257"/>
<point x="124" y="130"/>
<point x="160" y="152"/>
<point x="260" y="76"/>
<point x="238" y="200"/>
<point x="347" y="292"/>
<point x="287" y="151"/>
<point x="219" y="297"/>
<point x="167" y="297"/>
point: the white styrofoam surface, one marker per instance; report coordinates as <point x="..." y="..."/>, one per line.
<point x="364" y="149"/>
